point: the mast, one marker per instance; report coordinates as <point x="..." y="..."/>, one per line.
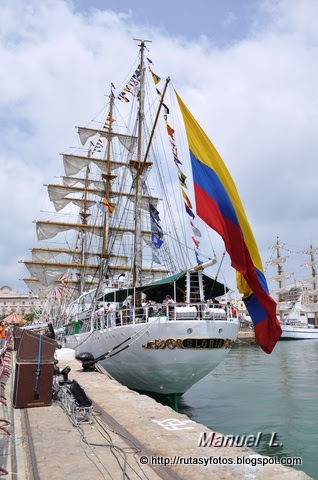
<point x="313" y="271"/>
<point x="279" y="271"/>
<point x="312" y="264"/>
<point x="314" y="285"/>
<point x="280" y="275"/>
<point x="107" y="176"/>
<point x="137" y="259"/>
<point x="84" y="215"/>
<point x="140" y="166"/>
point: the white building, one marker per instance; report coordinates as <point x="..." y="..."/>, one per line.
<point x="21" y="303"/>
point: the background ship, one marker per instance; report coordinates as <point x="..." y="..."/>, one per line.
<point x="297" y="305"/>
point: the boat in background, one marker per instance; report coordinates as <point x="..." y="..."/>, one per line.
<point x="292" y="332"/>
<point x="297" y="326"/>
<point x="299" y="319"/>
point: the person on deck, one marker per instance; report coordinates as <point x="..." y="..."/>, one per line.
<point x="168" y="301"/>
<point x="100" y="316"/>
<point x="144" y="305"/>
<point x="131" y="312"/>
<point x="111" y="315"/>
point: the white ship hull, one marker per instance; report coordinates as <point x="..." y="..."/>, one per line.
<point x="290" y="332"/>
<point x="166" y="368"/>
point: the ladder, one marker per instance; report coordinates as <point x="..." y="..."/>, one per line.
<point x="194" y="287"/>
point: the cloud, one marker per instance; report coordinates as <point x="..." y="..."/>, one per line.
<point x="20" y="187"/>
<point x="256" y="98"/>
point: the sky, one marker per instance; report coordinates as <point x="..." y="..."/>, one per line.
<point x="247" y="70"/>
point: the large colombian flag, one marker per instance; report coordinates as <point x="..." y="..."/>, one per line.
<point x="219" y="205"/>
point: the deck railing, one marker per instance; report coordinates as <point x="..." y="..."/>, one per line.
<point x="130" y="315"/>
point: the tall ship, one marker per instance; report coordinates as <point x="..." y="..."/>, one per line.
<point x="297" y="305"/>
<point x="122" y="262"/>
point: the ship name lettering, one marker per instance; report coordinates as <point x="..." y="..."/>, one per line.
<point x="184" y="343"/>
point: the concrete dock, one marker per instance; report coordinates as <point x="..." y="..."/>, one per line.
<point x="246" y="336"/>
<point x="131" y="437"/>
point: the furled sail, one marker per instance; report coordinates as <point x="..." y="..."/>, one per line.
<point x="311" y="264"/>
<point x="49" y="272"/>
<point x="129" y="142"/>
<point x="277" y="246"/>
<point x="75" y="163"/>
<point x="46" y="230"/>
<point x="279" y="291"/>
<point x="71" y="181"/>
<point x="277" y="261"/>
<point x="40" y="290"/>
<point x="45" y="254"/>
<point x="61" y="203"/>
<point x="57" y="192"/>
<point x="282" y="276"/>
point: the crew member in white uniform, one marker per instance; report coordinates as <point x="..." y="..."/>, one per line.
<point x="111" y="315"/>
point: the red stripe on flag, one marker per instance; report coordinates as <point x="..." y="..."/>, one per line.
<point x="267" y="330"/>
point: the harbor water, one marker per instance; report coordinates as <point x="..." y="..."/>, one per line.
<point x="252" y="392"/>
